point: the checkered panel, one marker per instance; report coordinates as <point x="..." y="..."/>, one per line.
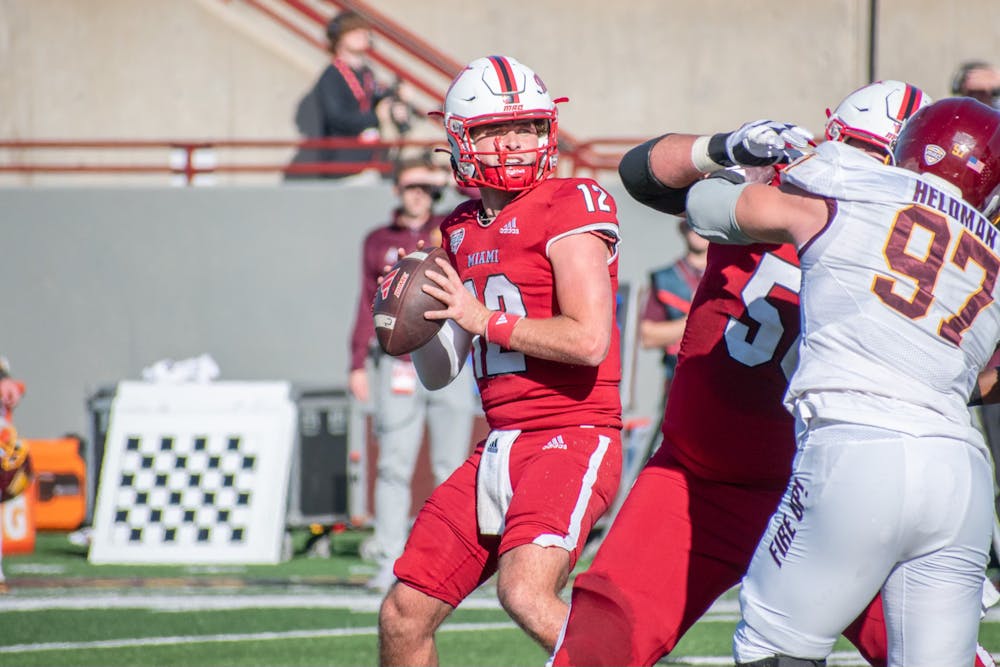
<point x="203" y="481"/>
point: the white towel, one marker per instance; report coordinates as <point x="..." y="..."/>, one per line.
<point x="202" y="369"/>
<point x="493" y="488"/>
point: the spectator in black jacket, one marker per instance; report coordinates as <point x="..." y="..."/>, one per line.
<point x="348" y="101"/>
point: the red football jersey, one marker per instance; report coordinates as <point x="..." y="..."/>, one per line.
<point x="506" y="265"/>
<point x="724" y="419"/>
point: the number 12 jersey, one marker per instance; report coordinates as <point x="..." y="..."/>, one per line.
<point x="505" y="264"/>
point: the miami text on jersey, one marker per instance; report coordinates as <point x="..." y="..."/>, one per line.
<point x="484" y="257"/>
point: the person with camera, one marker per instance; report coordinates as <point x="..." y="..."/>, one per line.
<point x="401" y="405"/>
<point x="351" y="102"/>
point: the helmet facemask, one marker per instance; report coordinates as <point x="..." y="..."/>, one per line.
<point x="474" y="167"/>
<point x="500" y="90"/>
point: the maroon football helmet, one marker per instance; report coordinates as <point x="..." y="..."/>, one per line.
<point x="956" y="139"/>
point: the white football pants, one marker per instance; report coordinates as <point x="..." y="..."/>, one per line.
<point x="869" y="509"/>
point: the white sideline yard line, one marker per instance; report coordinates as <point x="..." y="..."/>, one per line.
<point x="250" y="636"/>
<point x="838" y="658"/>
<point x="209" y="602"/>
<point x="724" y="610"/>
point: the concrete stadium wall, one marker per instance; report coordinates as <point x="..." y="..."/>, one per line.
<point x="216" y="68"/>
<point x="102" y="282"/>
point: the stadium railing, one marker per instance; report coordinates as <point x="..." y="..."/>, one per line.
<point x="188" y="159"/>
<point x="401" y="52"/>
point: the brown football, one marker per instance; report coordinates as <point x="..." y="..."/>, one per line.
<point x="400" y="304"/>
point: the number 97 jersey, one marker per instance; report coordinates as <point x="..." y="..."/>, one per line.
<point x="505" y="264"/>
<point x="898" y="297"/>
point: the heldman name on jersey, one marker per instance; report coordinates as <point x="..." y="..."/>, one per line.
<point x="958" y="210"/>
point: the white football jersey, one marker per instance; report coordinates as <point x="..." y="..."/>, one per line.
<point x="899" y="310"/>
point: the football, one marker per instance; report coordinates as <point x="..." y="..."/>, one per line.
<point x="400" y="304"/>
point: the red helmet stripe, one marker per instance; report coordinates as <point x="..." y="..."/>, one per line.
<point x="506" y="75"/>
<point x="911" y="102"/>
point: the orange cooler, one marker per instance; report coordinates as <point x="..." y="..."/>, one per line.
<point x="59" y="489"/>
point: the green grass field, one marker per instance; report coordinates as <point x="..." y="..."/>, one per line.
<point x="62" y="611"/>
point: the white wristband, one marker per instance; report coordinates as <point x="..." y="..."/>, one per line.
<point x="699" y="156"/>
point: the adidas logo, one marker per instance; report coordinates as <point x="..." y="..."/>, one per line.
<point x="555" y="443"/>
<point x="510" y="227"/>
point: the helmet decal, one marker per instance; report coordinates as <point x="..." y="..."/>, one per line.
<point x="933" y="154"/>
<point x="505" y="75"/>
<point x="912" y="100"/>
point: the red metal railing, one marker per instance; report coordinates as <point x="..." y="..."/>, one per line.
<point x="184" y="154"/>
<point x="177" y="157"/>
<point x="191" y="158"/>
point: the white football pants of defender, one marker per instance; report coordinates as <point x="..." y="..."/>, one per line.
<point x="869" y="509"/>
<point x="402" y="406"/>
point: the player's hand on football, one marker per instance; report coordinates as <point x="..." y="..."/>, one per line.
<point x="765" y="142"/>
<point x="463" y="307"/>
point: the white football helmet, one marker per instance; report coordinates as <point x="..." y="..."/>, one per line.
<point x="499" y="89"/>
<point x="875" y="113"/>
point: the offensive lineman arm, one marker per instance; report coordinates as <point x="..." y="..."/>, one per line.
<point x="659" y="172"/>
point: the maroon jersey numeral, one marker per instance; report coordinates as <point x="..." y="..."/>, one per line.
<point x="923" y="269"/>
<point x="970" y="249"/>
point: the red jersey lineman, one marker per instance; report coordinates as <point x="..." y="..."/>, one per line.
<point x="531" y="281"/>
<point x="691" y="522"/>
